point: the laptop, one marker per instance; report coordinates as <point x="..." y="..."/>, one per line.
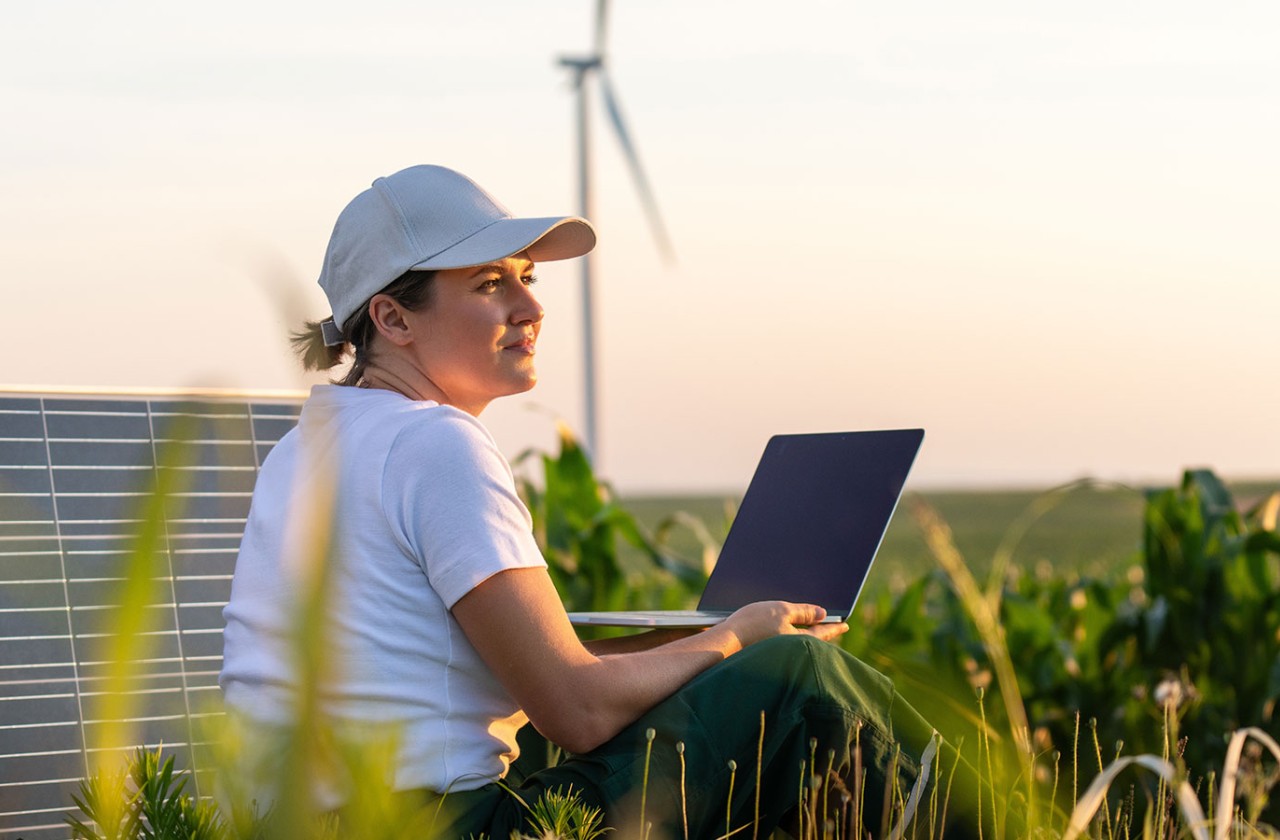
<point x="809" y="526"/>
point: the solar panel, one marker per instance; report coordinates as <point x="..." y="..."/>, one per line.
<point x="75" y="475"/>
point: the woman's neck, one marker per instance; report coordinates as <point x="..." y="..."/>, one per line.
<point x="411" y="383"/>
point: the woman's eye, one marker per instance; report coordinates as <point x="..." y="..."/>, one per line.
<point x="495" y="283"/>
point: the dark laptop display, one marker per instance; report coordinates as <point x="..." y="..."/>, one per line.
<point x="809" y="526"/>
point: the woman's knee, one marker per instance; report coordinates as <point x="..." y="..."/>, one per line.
<point x="787" y="663"/>
<point x="806" y="672"/>
<point x="785" y="678"/>
<point x="810" y="659"/>
<point x="796" y="648"/>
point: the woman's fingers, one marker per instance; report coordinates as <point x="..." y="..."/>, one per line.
<point x="779" y="618"/>
<point x="826" y="632"/>
<point x="804" y="615"/>
<point x="805" y="618"/>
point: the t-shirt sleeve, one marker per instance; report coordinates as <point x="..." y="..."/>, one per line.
<point x="450" y="497"/>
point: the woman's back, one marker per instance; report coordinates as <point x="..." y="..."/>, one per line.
<point x="421" y="512"/>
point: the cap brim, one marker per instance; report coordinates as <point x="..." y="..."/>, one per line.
<point x="553" y="238"/>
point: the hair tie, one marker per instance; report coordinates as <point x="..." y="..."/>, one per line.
<point x="331" y="334"/>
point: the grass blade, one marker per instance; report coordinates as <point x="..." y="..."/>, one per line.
<point x="1095" y="795"/>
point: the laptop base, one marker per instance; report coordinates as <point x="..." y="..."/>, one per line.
<point x="661" y="618"/>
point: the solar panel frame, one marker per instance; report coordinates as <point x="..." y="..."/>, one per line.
<point x="75" y="468"/>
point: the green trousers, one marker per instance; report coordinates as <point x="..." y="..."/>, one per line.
<point x="825" y="714"/>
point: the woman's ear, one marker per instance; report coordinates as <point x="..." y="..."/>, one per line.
<point x="388" y="319"/>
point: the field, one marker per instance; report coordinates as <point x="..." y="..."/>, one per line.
<point x="1080" y="529"/>
<point x="1133" y="625"/>
<point x="1145" y="637"/>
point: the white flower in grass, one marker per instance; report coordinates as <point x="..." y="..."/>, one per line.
<point x="1172" y="692"/>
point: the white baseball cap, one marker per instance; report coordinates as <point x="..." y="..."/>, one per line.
<point x="426" y="218"/>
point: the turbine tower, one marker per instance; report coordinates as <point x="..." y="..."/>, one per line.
<point x="582" y="68"/>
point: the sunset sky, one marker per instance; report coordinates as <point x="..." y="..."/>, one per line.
<point x="1046" y="233"/>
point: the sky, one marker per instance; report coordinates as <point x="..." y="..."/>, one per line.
<point x="1045" y="233"/>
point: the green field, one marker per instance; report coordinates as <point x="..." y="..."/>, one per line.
<point x="1086" y="529"/>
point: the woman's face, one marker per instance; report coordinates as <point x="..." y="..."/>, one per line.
<point x="476" y="338"/>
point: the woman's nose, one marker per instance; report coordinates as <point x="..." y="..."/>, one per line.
<point x="528" y="310"/>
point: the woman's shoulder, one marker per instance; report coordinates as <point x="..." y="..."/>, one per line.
<point x="443" y="425"/>
<point x="383" y="408"/>
<point x="410" y="433"/>
<point x="446" y="438"/>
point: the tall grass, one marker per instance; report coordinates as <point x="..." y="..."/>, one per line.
<point x="1052" y="650"/>
<point x="1194" y="619"/>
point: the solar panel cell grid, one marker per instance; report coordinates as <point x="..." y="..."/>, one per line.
<point x="16" y="452"/>
<point x="183" y="532"/>
<point x="18" y="568"/>
<point x="20" y="653"/>
<point x="202" y="592"/>
<point x="22" y="422"/>
<point x="21" y="481"/>
<point x="26" y="404"/>
<point x="106" y="453"/>
<point x="22" y="623"/>
<point x="97" y="427"/>
<point x="76" y="477"/>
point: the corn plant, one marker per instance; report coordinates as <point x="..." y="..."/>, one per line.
<point x="580" y="527"/>
<point x="1187" y="637"/>
<point x="1207" y="622"/>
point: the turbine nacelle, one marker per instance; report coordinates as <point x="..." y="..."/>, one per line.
<point x="582" y="65"/>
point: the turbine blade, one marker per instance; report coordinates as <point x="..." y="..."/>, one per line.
<point x="602" y="24"/>
<point x="647" y="200"/>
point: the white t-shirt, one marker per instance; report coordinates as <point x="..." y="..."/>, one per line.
<point x="424" y="508"/>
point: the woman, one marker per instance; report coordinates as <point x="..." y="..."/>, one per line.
<point x="444" y="620"/>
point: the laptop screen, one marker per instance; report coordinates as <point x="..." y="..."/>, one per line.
<point x="812" y="519"/>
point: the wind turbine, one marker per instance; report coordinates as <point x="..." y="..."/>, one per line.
<point x="582" y="68"/>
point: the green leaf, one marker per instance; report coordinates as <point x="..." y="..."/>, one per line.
<point x="1154" y="620"/>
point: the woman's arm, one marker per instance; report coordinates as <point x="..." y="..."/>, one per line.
<point x="636" y="641"/>
<point x="579" y="699"/>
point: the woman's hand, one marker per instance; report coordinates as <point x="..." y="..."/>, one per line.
<point x="765" y="619"/>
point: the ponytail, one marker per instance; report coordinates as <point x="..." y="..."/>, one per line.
<point x="411" y="290"/>
<point x="308" y="344"/>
